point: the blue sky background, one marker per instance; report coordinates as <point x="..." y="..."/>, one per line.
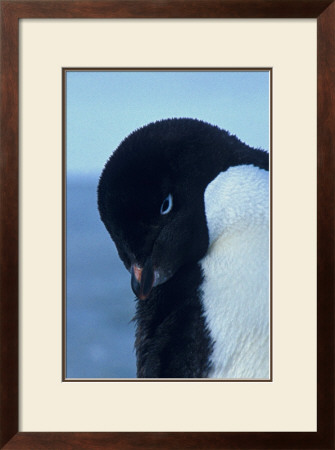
<point x="102" y="108"/>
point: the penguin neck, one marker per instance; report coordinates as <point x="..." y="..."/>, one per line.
<point x="235" y="291"/>
<point x="172" y="340"/>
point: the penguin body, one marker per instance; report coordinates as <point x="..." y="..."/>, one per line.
<point x="187" y="207"/>
<point x="236" y="269"/>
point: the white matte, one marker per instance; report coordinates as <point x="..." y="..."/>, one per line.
<point x="286" y="404"/>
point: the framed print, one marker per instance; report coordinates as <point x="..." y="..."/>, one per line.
<point x="40" y="41"/>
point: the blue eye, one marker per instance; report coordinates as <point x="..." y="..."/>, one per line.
<point x="166" y="205"/>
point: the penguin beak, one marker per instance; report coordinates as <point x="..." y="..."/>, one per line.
<point x="142" y="279"/>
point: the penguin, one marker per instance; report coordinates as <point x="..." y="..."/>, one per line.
<point x="187" y="206"/>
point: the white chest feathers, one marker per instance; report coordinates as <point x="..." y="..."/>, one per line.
<point x="235" y="291"/>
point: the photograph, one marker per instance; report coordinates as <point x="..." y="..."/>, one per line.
<point x="167" y="219"/>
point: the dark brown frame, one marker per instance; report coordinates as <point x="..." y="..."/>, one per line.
<point x="11" y="12"/>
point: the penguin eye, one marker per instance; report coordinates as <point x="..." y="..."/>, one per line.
<point x="166" y="206"/>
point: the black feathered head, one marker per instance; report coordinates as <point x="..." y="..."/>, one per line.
<point x="151" y="195"/>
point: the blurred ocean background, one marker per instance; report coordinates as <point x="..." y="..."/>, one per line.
<point x="102" y="108"/>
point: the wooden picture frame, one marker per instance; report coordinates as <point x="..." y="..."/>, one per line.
<point x="11" y="12"/>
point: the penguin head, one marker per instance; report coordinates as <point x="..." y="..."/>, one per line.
<point x="151" y="196"/>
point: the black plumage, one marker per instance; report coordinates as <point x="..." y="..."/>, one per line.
<point x="177" y="157"/>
